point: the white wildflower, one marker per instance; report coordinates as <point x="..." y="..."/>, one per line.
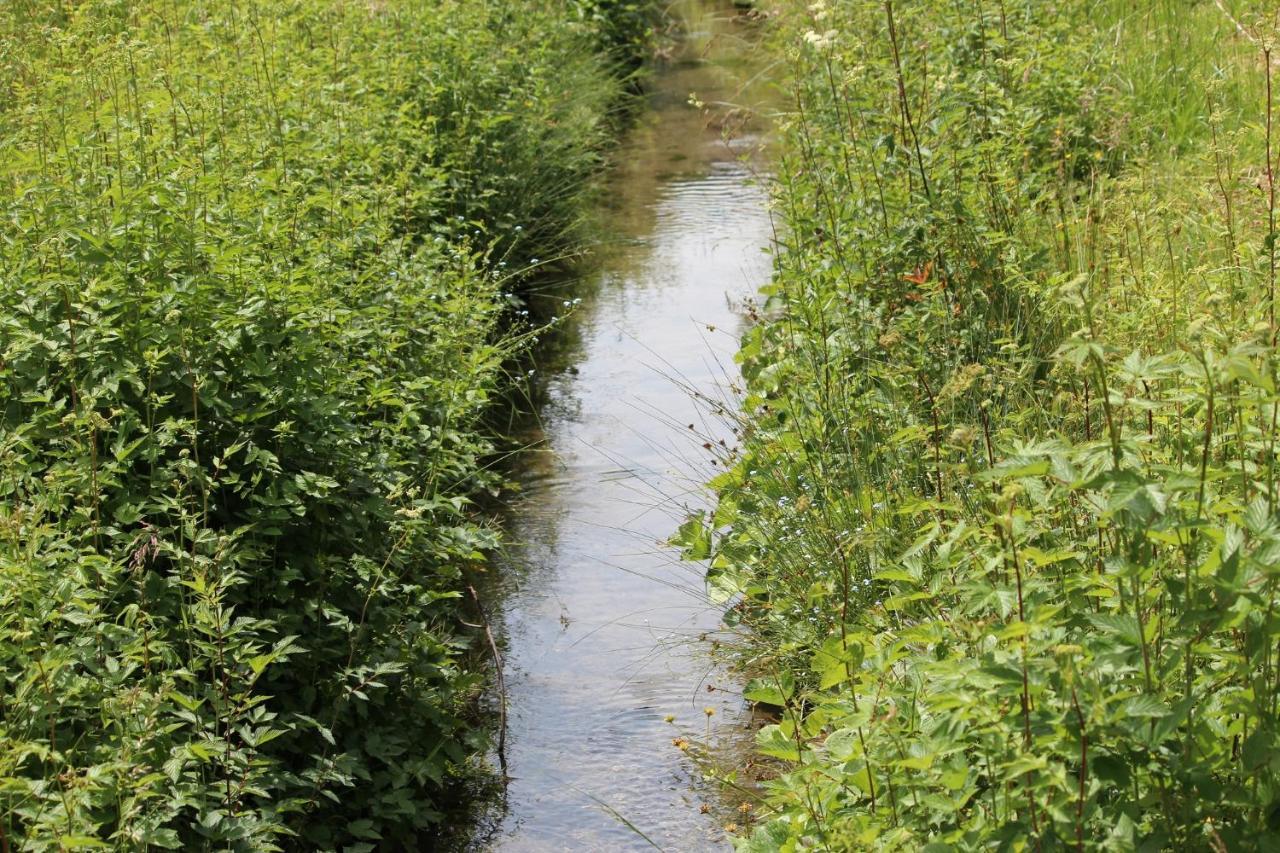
<point x="820" y="40"/>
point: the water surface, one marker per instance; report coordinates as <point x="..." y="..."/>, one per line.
<point x="606" y="633"/>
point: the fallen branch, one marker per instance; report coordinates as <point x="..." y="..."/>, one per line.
<point x="502" y="685"/>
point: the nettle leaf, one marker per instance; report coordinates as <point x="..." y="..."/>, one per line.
<point x="774" y="742"/>
<point x="1003" y="672"/>
<point x="916" y="762"/>
<point x="842" y="744"/>
<point x="1257" y="517"/>
<point x="1144" y="706"/>
<point x="1118" y="625"/>
<point x="1124" y="832"/>
<point x="837" y="660"/>
<point x="1078" y="351"/>
<point x="163" y="837"/>
<point x="771" y="690"/>
<point x="1017" y="468"/>
<point x="1023" y="765"/>
<point x="1127" y="490"/>
<point x="900" y="602"/>
<point x="185" y="701"/>
<point x="901" y="575"/>
<point x="694" y="538"/>
<point x="1260" y="750"/>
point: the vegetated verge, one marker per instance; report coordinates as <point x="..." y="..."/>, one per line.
<point x="251" y="322"/>
<point x="1004" y="523"/>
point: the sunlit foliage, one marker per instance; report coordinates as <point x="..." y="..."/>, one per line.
<point x="252" y="277"/>
<point x="1004" y="524"/>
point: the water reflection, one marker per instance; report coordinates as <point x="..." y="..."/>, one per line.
<point x="602" y="624"/>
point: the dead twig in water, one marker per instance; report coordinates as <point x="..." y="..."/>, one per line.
<point x="502" y="684"/>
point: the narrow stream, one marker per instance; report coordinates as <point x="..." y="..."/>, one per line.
<point x="605" y="630"/>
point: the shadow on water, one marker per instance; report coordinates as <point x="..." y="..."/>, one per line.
<point x="605" y="632"/>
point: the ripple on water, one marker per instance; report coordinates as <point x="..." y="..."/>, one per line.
<point x="602" y="622"/>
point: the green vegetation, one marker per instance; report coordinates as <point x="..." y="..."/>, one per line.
<point x="251" y="262"/>
<point x="1004" y="524"/>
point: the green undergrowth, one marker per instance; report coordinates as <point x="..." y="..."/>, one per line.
<point x="254" y="264"/>
<point x="1004" y="523"/>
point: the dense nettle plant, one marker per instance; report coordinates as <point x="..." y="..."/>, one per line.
<point x="250" y="323"/>
<point x="1004" y="525"/>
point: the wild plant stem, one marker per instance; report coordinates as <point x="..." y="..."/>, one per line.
<point x="903" y="99"/>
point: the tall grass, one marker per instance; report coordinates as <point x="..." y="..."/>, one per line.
<point x="252" y="270"/>
<point x="1004" y="522"/>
